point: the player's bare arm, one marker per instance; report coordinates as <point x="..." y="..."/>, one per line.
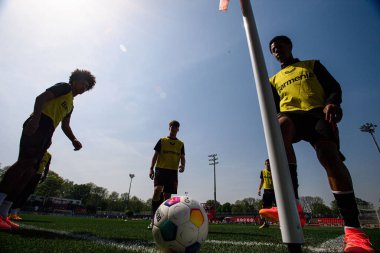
<point x="154" y="160"/>
<point x="183" y="162"/>
<point x="69" y="133"/>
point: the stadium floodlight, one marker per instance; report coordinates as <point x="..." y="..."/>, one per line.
<point x="130" y="184"/>
<point x="213" y="159"/>
<point x="370" y="128"/>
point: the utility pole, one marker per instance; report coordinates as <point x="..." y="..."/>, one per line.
<point x="213" y="159"/>
<point x="370" y="128"/>
<point x="129" y="192"/>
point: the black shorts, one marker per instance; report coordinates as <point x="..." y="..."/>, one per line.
<point x="166" y="178"/>
<point x="269" y="199"/>
<point x="311" y="126"/>
<point x="35" y="146"/>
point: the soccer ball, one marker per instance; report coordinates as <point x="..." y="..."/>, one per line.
<point x="180" y="225"/>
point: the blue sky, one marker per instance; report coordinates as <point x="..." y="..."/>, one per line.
<point x="161" y="60"/>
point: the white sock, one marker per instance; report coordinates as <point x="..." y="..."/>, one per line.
<point x="2" y="197"/>
<point x="4" y="208"/>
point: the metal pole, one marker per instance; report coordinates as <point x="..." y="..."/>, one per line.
<point x="373" y="137"/>
<point x="130" y="184"/>
<point x="214" y="162"/>
<point x="214" y="186"/>
<point x="291" y="230"/>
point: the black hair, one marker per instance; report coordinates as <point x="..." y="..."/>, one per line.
<point x="280" y="38"/>
<point x="174" y="123"/>
<point x="81" y="74"/>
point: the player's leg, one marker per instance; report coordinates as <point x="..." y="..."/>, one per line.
<point x="341" y="184"/>
<point x="17" y="177"/>
<point x="288" y="130"/>
<point x="23" y="197"/>
<point x="268" y="197"/>
<point x="289" y="135"/>
<point x="32" y="149"/>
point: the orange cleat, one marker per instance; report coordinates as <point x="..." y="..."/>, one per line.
<point x="269" y="213"/>
<point x="15" y="217"/>
<point x="4" y="225"/>
<point x="355" y="241"/>
<point x="272" y="214"/>
<point x="7" y="221"/>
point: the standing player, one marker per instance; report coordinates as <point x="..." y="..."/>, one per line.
<point x="51" y="107"/>
<point x="168" y="159"/>
<point x="269" y="199"/>
<point x="308" y="100"/>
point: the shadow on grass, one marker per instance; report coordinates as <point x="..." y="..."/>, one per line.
<point x="76" y="236"/>
<point x="33" y="221"/>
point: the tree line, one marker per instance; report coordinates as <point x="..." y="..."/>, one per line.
<point x="96" y="198"/>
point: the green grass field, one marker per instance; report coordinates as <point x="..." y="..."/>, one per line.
<point x="40" y="233"/>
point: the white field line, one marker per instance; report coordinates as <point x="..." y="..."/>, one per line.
<point x="330" y="246"/>
<point x="134" y="246"/>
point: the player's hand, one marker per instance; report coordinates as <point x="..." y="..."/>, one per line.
<point x="333" y="113"/>
<point x="181" y="168"/>
<point x="77" y="145"/>
<point x="259" y="192"/>
<point x="151" y="174"/>
<point x="31" y="127"/>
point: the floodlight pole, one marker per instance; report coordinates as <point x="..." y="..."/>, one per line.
<point x="213" y="159"/>
<point x="370" y="128"/>
<point x="130" y="184"/>
<point x="291" y="230"/>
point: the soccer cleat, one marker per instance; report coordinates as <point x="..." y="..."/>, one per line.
<point x="355" y="241"/>
<point x="272" y="214"/>
<point x="150" y="226"/>
<point x="15" y="217"/>
<point x="7" y="221"/>
<point x="269" y="213"/>
<point x="4" y="225"/>
<point x="265" y="225"/>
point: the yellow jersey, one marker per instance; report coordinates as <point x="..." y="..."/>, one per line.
<point x="298" y="87"/>
<point x="266" y="175"/>
<point x="170" y="152"/>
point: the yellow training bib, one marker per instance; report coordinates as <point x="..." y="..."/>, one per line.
<point x="58" y="108"/>
<point x="298" y="87"/>
<point x="170" y="154"/>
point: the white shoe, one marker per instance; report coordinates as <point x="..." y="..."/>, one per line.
<point x="150" y="226"/>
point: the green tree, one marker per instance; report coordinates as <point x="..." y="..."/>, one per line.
<point x="80" y="191"/>
<point x="52" y="186"/>
<point x="115" y="203"/>
<point x="246" y="205"/>
<point x="211" y="202"/>
<point x="226" y="207"/>
<point x="3" y="170"/>
<point x="97" y="199"/>
<point x="321" y="210"/>
<point x="137" y="205"/>
<point x="307" y="203"/>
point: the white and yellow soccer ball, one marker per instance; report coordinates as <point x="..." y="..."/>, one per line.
<point x="180" y="225"/>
